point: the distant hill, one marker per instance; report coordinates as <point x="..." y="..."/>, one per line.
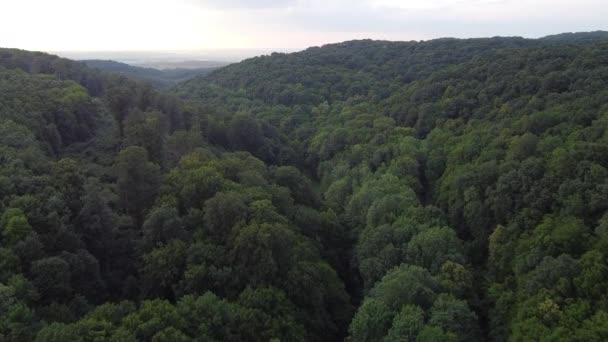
<point x="580" y="37"/>
<point x="159" y="78"/>
<point x="185" y="64"/>
<point x="472" y="175"/>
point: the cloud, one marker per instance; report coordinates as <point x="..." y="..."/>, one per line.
<point x="424" y="19"/>
<point x="201" y="24"/>
<point x="433" y="4"/>
<point x="244" y="4"/>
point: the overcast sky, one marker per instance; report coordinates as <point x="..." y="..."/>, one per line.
<point x="165" y="25"/>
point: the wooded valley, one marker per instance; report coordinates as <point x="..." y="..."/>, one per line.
<point x="442" y="190"/>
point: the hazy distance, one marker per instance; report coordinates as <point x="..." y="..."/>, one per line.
<point x="209" y="58"/>
<point x="200" y="25"/>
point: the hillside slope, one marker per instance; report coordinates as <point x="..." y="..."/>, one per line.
<point x="472" y="174"/>
<point x="447" y="190"/>
<point x="120" y="221"/>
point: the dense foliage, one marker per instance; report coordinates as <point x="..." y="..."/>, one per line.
<point x="470" y="173"/>
<point x="449" y="190"/>
<point x="111" y="194"/>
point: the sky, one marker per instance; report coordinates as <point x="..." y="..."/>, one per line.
<point x="191" y="25"/>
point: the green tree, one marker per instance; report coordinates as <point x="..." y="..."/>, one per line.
<point x="52" y="278"/>
<point x="406" y="325"/>
<point x="222" y="212"/>
<point x="15" y="226"/>
<point x="371" y="322"/>
<point x="454" y="316"/>
<point x="120" y="100"/>
<point x="138" y="181"/>
<point x="162" y="268"/>
<point x="434" y="246"/>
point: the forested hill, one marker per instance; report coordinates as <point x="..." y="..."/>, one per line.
<point x="577" y="37"/>
<point x="447" y="190"/>
<point x="120" y="222"/>
<point x="472" y="175"/>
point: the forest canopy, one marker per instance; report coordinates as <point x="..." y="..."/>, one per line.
<point x="446" y="190"/>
